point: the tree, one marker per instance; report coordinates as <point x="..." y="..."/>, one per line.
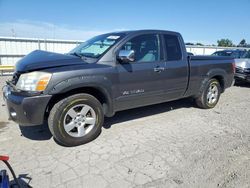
<point x="225" y="43"/>
<point x="199" y="44"/>
<point x="189" y="43"/>
<point x="242" y="43"/>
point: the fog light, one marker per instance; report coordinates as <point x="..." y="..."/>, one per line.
<point x="13" y="114"/>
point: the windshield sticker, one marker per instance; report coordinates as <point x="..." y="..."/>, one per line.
<point x="114" y="37"/>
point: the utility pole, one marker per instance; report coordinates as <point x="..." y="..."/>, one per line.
<point x="13" y="33"/>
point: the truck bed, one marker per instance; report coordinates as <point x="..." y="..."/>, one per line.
<point x="202" y="67"/>
<point x="209" y="57"/>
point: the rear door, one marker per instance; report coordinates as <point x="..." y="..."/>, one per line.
<point x="140" y="82"/>
<point x="176" y="72"/>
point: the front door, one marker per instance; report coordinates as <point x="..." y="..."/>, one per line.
<point x="140" y="82"/>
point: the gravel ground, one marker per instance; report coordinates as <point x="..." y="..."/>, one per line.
<point x="167" y="145"/>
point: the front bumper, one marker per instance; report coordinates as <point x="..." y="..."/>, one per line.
<point x="242" y="76"/>
<point x="24" y="109"/>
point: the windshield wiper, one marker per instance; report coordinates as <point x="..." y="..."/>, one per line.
<point x="81" y="55"/>
<point x="76" y="54"/>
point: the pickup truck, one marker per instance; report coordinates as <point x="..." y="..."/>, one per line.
<point x="112" y="72"/>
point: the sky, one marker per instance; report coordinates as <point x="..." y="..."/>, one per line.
<point x="203" y="21"/>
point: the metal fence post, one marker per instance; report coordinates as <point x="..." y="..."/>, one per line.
<point x="45" y="44"/>
<point x="39" y="45"/>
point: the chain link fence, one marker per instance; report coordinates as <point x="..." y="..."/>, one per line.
<point x="13" y="49"/>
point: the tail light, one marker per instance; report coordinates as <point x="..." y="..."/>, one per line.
<point x="4" y="158"/>
<point x="233" y="68"/>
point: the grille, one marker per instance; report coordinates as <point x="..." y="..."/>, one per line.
<point x="239" y="70"/>
<point x="247" y="70"/>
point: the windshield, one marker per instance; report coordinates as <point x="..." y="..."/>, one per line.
<point x="97" y="46"/>
<point x="223" y="53"/>
<point x="247" y="55"/>
<point x="234" y="54"/>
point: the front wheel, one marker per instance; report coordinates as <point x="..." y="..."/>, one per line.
<point x="210" y="94"/>
<point x="76" y="119"/>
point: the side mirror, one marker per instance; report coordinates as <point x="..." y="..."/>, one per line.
<point x="126" y="56"/>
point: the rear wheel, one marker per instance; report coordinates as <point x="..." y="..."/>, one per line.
<point x="76" y="119"/>
<point x="210" y="95"/>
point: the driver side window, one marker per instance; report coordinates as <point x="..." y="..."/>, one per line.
<point x="146" y="47"/>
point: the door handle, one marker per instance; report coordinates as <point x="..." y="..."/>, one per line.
<point x="159" y="69"/>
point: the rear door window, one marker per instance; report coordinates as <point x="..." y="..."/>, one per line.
<point x="172" y="47"/>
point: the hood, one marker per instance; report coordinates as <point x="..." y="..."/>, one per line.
<point x="243" y="63"/>
<point x="41" y="60"/>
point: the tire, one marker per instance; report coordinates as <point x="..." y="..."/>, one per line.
<point x="211" y="89"/>
<point x="68" y="124"/>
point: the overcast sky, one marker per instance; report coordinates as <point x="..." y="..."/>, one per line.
<point x="197" y="20"/>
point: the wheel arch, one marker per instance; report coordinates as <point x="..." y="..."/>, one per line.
<point x="99" y="93"/>
<point x="221" y="80"/>
<point x="218" y="74"/>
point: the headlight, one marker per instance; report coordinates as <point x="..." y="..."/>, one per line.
<point x="33" y="81"/>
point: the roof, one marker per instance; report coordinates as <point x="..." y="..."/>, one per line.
<point x="145" y="31"/>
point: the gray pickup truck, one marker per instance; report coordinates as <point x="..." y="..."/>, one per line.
<point x="112" y="72"/>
